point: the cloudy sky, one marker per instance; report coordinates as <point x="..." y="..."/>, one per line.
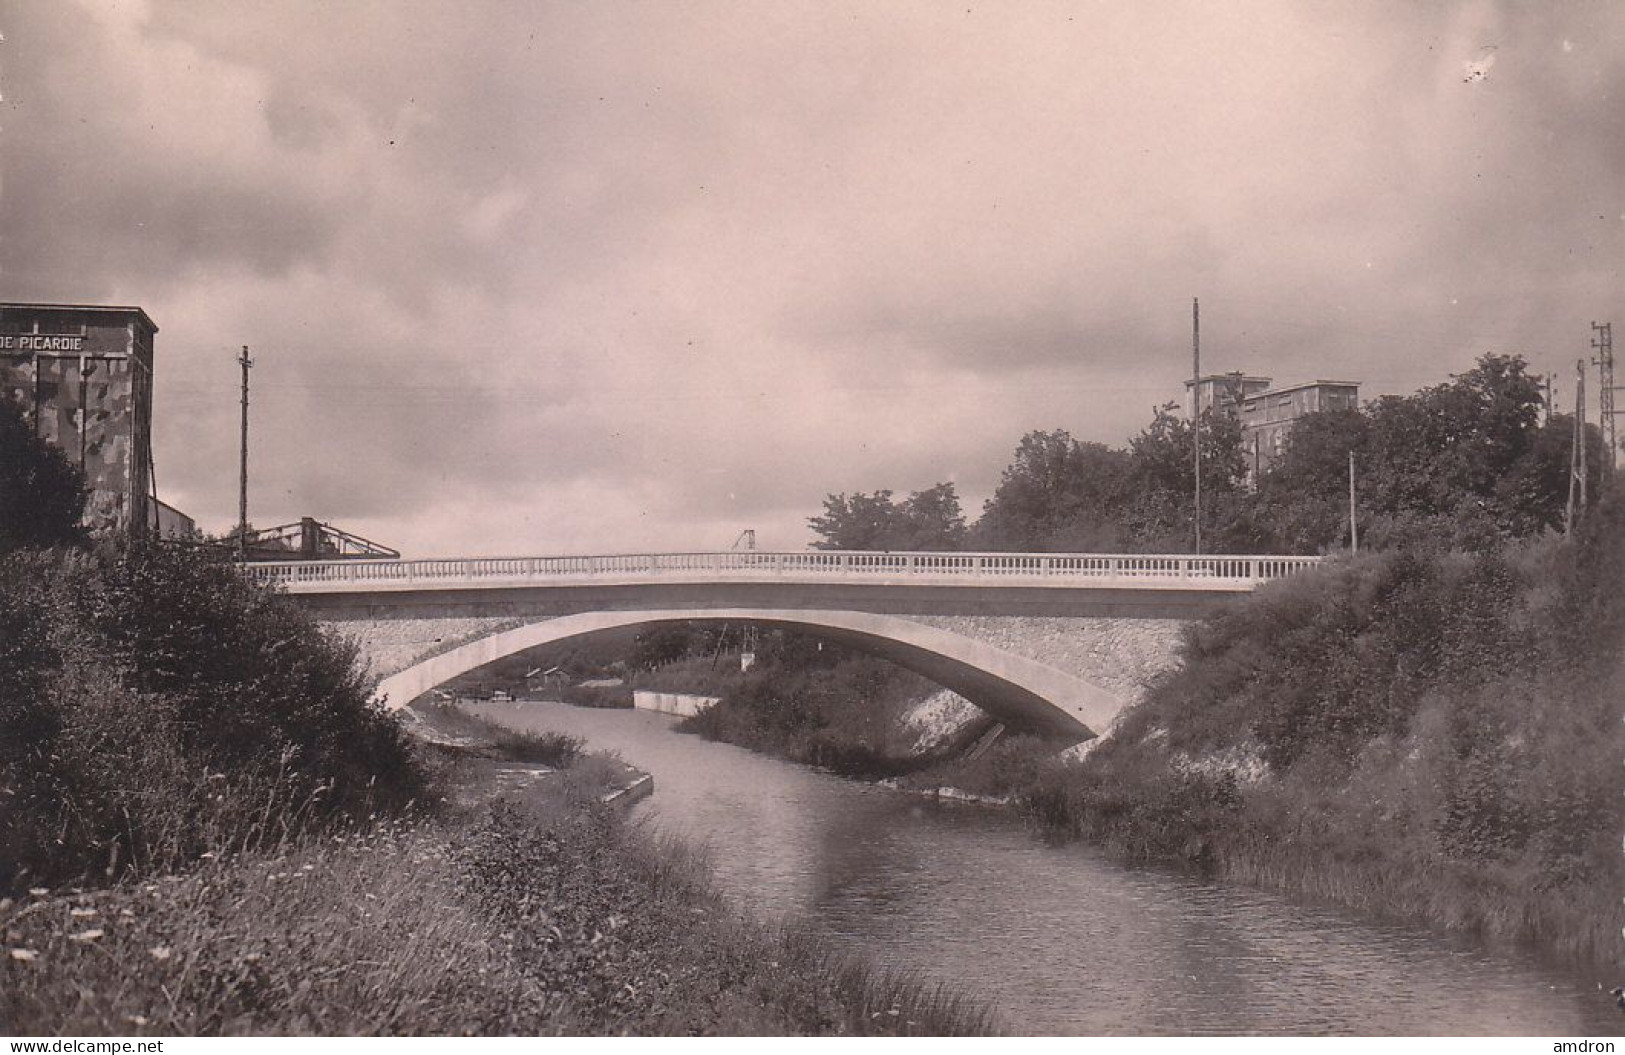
<point x="589" y="277"/>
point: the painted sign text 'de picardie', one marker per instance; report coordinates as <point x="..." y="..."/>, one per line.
<point x="26" y="342"/>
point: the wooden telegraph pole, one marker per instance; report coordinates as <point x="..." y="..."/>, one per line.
<point x="1196" y="411"/>
<point x="242" y="470"/>
<point x="1354" y="526"/>
<point x="1577" y="454"/>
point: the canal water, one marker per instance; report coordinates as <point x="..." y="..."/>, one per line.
<point x="1060" y="939"/>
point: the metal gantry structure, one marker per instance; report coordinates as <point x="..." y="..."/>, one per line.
<point x="1603" y="341"/>
<point x="309" y="539"/>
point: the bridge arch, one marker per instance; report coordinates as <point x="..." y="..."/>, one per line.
<point x="1014" y="689"/>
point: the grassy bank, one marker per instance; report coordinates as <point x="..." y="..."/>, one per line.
<point x="1430" y="736"/>
<point x="548" y="916"/>
<point x="828" y="707"/>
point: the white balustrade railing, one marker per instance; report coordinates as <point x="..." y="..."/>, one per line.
<point x="1054" y="569"/>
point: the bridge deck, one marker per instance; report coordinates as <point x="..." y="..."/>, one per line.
<point x="1056" y="570"/>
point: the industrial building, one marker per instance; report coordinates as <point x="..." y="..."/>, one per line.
<point x="1266" y="413"/>
<point x="83" y="375"/>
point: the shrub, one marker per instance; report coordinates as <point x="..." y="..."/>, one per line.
<point x="820" y="704"/>
<point x="158" y="704"/>
<point x="559" y="750"/>
<point x="605" y="696"/>
<point x="42" y="494"/>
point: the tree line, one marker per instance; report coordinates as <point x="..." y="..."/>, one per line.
<point x="1468" y="463"/>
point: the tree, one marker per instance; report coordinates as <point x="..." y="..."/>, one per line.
<point x="1057" y="494"/>
<point x="1162" y="451"/>
<point x="42" y="494"/>
<point x="1467" y="461"/>
<point x="1164" y="478"/>
<point x="925" y="520"/>
<point x="1448" y="445"/>
<point x="932" y="520"/>
<point x="1301" y="505"/>
<point x="1533" y="493"/>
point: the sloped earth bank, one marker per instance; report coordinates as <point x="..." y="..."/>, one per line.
<point x="1059" y="936"/>
<point x="532" y="909"/>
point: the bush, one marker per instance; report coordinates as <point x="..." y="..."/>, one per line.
<point x="157" y="704"/>
<point x="559" y="750"/>
<point x="833" y="708"/>
<point x="42" y="494"/>
<point x="604" y="696"/>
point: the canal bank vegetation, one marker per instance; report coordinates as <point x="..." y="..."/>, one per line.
<point x="1427" y="735"/>
<point x="453" y="725"/>
<point x="155" y="705"/>
<point x="548" y="915"/>
<point x="545" y="917"/>
<point x="816" y="703"/>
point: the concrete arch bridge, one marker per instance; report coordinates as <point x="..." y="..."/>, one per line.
<point x="1055" y="643"/>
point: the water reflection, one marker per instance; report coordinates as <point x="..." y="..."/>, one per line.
<point x="1062" y="940"/>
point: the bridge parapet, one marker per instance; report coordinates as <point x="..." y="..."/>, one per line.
<point x="1061" y="570"/>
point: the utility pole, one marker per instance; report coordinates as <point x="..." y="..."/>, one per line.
<point x="1604" y="343"/>
<point x="242" y="471"/>
<point x="1577" y="455"/>
<point x="1196" y="411"/>
<point x="1354" y="527"/>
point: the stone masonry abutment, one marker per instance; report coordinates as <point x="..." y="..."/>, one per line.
<point x="1026" y="656"/>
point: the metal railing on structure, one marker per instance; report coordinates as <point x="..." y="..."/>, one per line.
<point x="1054" y="569"/>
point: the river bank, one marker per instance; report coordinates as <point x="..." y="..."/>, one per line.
<point x="1367" y="839"/>
<point x="1062" y="937"/>
<point x="1421" y="735"/>
<point x="528" y="909"/>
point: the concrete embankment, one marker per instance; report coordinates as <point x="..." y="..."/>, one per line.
<point x="640" y="787"/>
<point x="682" y="704"/>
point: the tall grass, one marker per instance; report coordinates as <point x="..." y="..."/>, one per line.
<point x="359" y="934"/>
<point x="546" y="919"/>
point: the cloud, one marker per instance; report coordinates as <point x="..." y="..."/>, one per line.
<point x="565" y="277"/>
